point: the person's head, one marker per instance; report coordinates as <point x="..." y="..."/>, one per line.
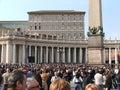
<point x="77" y="75"/>
<point x="60" y="84"/>
<point x="17" y="80"/>
<point x="37" y="76"/>
<point x="92" y="87"/>
<point x="44" y="76"/>
<point x="55" y="73"/>
<point x="32" y="84"/>
<point x="7" y="70"/>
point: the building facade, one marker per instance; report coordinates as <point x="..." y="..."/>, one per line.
<point x="51" y="37"/>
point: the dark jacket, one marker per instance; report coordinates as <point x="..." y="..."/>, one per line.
<point x="109" y="82"/>
<point x="118" y="78"/>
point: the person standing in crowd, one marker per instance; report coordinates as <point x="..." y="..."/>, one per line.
<point x="99" y="78"/>
<point x="109" y="81"/>
<point x="37" y="76"/>
<point x="118" y="80"/>
<point x="92" y="87"/>
<point x="32" y="84"/>
<point x="17" y="81"/>
<point x="85" y="79"/>
<point x="44" y="81"/>
<point x="91" y="76"/>
<point x="29" y="73"/>
<point x="104" y="78"/>
<point x="88" y="78"/>
<point x="70" y="74"/>
<point x="78" y="81"/>
<point x="1" y="82"/>
<point x="5" y="78"/>
<point x="60" y="84"/>
<point x="49" y="74"/>
<point x="55" y="76"/>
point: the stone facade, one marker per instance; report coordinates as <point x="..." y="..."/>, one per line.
<point x="51" y="37"/>
<point x="66" y="25"/>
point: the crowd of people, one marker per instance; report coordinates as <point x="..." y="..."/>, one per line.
<point x="58" y="77"/>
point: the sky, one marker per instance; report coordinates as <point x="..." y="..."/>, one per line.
<point x="17" y="10"/>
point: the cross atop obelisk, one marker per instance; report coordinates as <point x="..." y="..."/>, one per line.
<point x="95" y="33"/>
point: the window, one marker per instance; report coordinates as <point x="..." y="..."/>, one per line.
<point x="35" y="27"/>
<point x="39" y="26"/>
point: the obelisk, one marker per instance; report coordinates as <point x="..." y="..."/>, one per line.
<point x="95" y="33"/>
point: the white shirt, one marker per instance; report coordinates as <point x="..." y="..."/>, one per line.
<point x="54" y="77"/>
<point x="98" y="79"/>
<point x="77" y="79"/>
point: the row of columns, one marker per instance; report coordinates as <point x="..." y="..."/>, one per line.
<point x="55" y="55"/>
<point x="110" y="55"/>
<point x="10" y="53"/>
<point x="13" y="53"/>
<point x="16" y="53"/>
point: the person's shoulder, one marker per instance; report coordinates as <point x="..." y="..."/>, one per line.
<point x="118" y="76"/>
<point x="10" y="89"/>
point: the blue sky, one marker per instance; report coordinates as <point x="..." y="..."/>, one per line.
<point x="17" y="10"/>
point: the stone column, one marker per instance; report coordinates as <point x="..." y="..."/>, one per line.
<point x="74" y="54"/>
<point x="52" y="55"/>
<point x="29" y="50"/>
<point x="14" y="53"/>
<point x="8" y="53"/>
<point x="24" y="54"/>
<point x="58" y="56"/>
<point x="69" y="55"/>
<point x="3" y="54"/>
<point x="86" y="56"/>
<point x="116" y="60"/>
<point x="20" y="56"/>
<point x="63" y="54"/>
<point x="38" y="54"/>
<point x="35" y="54"/>
<point x="41" y="51"/>
<point x="80" y="55"/>
<point x="104" y="55"/>
<point x="109" y="55"/>
<point x="46" y="54"/>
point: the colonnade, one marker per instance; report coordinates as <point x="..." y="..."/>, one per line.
<point x="20" y="53"/>
<point x="13" y="53"/>
<point x="111" y="55"/>
<point x="54" y="54"/>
